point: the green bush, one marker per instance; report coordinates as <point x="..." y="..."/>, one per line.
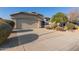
<point x="69" y="26"/>
<point x="5" y="30"/>
<point x="59" y="17"/>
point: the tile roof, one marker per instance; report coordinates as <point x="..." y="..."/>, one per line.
<point x="29" y="13"/>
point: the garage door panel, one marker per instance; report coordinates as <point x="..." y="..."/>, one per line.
<point x="28" y="24"/>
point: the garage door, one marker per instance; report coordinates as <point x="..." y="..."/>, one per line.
<point x="28" y="24"/>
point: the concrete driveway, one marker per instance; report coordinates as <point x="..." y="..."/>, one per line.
<point x="42" y="40"/>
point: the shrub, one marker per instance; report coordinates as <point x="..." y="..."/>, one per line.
<point x="78" y="28"/>
<point x="11" y="23"/>
<point x="58" y="28"/>
<point x="48" y="27"/>
<point x="5" y="30"/>
<point x="51" y="26"/>
<point x="69" y="26"/>
<point x="59" y="17"/>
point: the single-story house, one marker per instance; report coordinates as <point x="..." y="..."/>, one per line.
<point x="26" y="20"/>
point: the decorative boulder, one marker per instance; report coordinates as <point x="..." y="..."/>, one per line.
<point x="5" y="30"/>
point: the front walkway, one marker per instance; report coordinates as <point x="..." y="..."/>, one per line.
<point x="42" y="40"/>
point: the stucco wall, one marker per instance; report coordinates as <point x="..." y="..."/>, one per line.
<point x="26" y="21"/>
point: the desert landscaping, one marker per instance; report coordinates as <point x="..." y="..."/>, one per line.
<point x="32" y="31"/>
<point x="42" y="40"/>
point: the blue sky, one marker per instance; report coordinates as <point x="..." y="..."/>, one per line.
<point x="46" y="11"/>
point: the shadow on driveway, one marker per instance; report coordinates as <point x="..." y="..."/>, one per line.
<point x="19" y="40"/>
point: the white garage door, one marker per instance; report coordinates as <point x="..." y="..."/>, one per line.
<point x="28" y="24"/>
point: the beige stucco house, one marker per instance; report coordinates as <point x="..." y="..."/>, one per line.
<point x="25" y="20"/>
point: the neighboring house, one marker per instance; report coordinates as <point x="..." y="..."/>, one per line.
<point x="25" y="20"/>
<point x="46" y="20"/>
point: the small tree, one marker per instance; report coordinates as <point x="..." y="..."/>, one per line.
<point x="59" y="17"/>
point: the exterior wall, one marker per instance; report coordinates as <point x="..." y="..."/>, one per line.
<point x="39" y="23"/>
<point x="26" y="22"/>
<point x="18" y="24"/>
<point x="15" y="22"/>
